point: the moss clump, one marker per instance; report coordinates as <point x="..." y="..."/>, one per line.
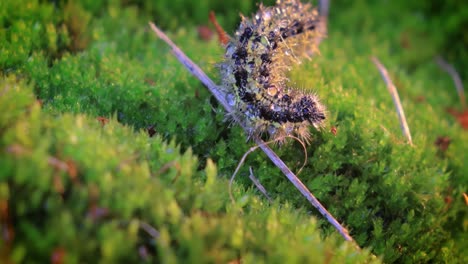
<point x="93" y="191"/>
<point x="76" y="189"/>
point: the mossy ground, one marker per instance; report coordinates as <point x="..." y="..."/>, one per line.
<point x="84" y="83"/>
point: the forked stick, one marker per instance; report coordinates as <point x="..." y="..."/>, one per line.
<point x="213" y="88"/>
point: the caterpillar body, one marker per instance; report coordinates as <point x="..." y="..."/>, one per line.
<point x="254" y="70"/>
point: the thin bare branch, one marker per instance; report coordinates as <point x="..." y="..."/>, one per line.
<point x="193" y="68"/>
<point x="149" y="229"/>
<point x="259" y="185"/>
<point x="396" y="99"/>
<point x="213" y="88"/>
<point x="455" y="77"/>
<point x="324" y="8"/>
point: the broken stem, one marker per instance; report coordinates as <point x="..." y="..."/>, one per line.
<point x="259" y="185"/>
<point x="396" y="99"/>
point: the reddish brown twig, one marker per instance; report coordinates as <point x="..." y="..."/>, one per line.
<point x="222" y="36"/>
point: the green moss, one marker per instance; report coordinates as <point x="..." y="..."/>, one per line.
<point x="119" y="184"/>
<point x="85" y="60"/>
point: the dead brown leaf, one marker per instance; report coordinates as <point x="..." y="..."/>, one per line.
<point x="442" y="143"/>
<point x="462" y="117"/>
<point x="103" y="120"/>
<point x="58" y="256"/>
<point x="205" y="33"/>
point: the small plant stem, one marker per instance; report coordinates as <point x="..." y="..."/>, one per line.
<point x="258" y="184"/>
<point x="222" y="36"/>
<point x="239" y="165"/>
<point x="324" y="9"/>
<point x="149" y="229"/>
<point x="455" y="77"/>
<point x="396" y="99"/>
<point x="52" y="161"/>
<point x="213" y="88"/>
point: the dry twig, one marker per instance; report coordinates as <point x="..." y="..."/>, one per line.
<point x="324" y="8"/>
<point x="396" y="99"/>
<point x="259" y="185"/>
<point x="239" y="165"/>
<point x="222" y="36"/>
<point x="149" y="229"/>
<point x="56" y="163"/>
<point x="455" y="77"/>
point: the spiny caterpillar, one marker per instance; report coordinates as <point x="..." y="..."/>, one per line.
<point x="255" y="66"/>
